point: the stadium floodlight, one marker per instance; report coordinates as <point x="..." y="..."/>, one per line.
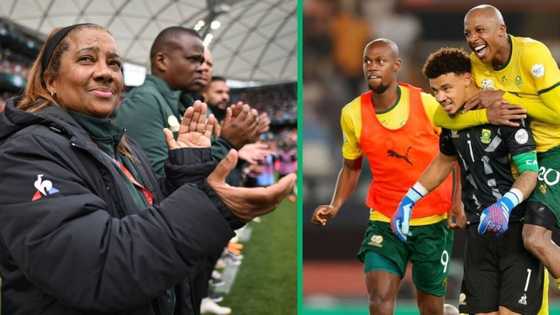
<point x="215" y="9"/>
<point x="199" y="25"/>
<point x="17" y="81"/>
<point x="208" y="39"/>
<point x="215" y="24"/>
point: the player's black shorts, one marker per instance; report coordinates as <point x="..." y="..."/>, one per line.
<point x="499" y="271"/>
<point x="538" y="214"/>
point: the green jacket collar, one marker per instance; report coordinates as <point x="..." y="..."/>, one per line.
<point x="101" y="130"/>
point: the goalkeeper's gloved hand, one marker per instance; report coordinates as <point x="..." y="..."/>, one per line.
<point x="495" y="218"/>
<point x="400" y="222"/>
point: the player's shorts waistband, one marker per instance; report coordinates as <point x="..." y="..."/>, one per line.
<point x="378" y="216"/>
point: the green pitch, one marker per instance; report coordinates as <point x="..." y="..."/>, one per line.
<point x="266" y="282"/>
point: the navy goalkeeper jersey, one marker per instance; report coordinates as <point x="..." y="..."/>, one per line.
<point x="484" y="153"/>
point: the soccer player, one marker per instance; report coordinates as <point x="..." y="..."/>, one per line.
<point x="391" y="125"/>
<point x="523" y="67"/>
<point x="500" y="275"/>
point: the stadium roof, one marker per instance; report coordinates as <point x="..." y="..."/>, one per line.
<point x="255" y="41"/>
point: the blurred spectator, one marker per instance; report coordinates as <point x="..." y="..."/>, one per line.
<point x="262" y="173"/>
<point x="286" y="159"/>
<point x="14" y="67"/>
<point x="216" y="96"/>
<point x="278" y="101"/>
<point x="4" y="96"/>
<point x="348" y="46"/>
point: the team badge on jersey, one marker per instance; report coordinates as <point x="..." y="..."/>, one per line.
<point x="454" y="134"/>
<point x="537" y="70"/>
<point x="376" y="240"/>
<point x="521" y="136"/>
<point x="44" y="188"/>
<point x="523" y="299"/>
<point x="543" y="188"/>
<point x="487" y="84"/>
<point x="462" y="299"/>
<point x="485" y="136"/>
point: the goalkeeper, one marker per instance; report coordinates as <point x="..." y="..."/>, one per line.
<point x="500" y="275"/>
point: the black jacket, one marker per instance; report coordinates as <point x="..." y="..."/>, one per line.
<point x="71" y="239"/>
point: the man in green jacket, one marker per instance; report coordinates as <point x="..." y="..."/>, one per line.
<point x="177" y="65"/>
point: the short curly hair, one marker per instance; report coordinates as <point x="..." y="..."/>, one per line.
<point x="447" y="60"/>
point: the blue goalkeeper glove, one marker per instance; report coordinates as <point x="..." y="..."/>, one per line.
<point x="400" y="222"/>
<point x="495" y="218"/>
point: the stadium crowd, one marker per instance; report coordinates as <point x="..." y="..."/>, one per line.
<point x="278" y="101"/>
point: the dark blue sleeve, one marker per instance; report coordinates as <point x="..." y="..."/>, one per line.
<point x="446" y="145"/>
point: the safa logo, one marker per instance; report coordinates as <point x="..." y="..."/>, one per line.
<point x="44" y="188"/>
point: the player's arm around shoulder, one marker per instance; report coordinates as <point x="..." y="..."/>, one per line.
<point x="462" y="120"/>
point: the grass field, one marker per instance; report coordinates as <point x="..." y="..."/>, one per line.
<point x="266" y="282"/>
